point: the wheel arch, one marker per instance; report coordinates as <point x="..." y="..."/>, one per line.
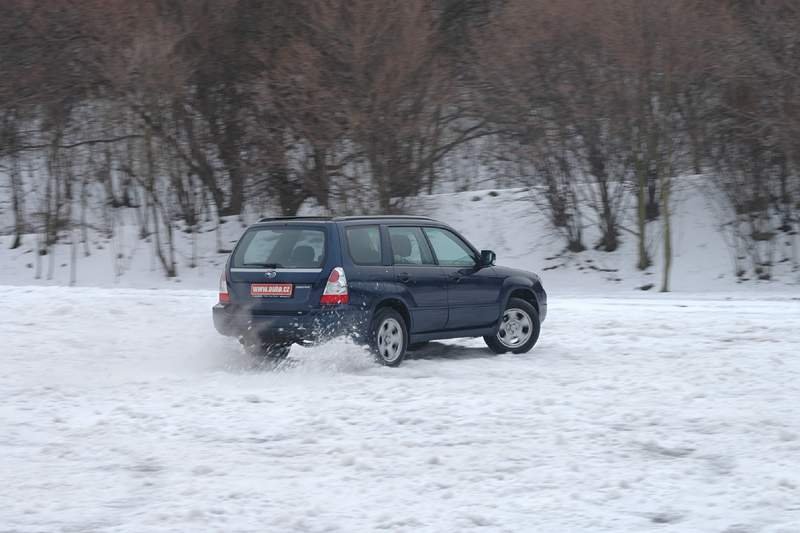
<point x="524" y="294"/>
<point x="397" y="305"/>
<point x="520" y="288"/>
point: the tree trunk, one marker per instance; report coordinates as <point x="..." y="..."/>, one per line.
<point x="73" y="265"/>
<point x="84" y="229"/>
<point x="641" y="215"/>
<point x="609" y="224"/>
<point x="665" y="210"/>
<point x="168" y="264"/>
<point x="320" y="187"/>
<point x="651" y="169"/>
<point x="230" y="155"/>
<point x="17" y="200"/>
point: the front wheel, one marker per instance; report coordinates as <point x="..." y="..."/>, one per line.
<point x="389" y="337"/>
<point x="518" y="330"/>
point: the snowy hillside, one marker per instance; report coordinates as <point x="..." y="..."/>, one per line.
<point x="507" y="221"/>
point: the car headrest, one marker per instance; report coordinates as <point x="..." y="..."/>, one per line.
<point x="362" y="251"/>
<point x="303" y="256"/>
<point x="401" y="245"/>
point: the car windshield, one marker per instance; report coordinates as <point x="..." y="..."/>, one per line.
<point x="280" y="247"/>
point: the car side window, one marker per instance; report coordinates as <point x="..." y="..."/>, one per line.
<point x="364" y="244"/>
<point x="409" y="246"/>
<point x="450" y="250"/>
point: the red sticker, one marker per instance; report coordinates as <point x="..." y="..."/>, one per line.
<point x="280" y="290"/>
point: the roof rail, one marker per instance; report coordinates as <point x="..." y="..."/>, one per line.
<point x="273" y="219"/>
<point x="351" y="217"/>
<point x="379" y="217"/>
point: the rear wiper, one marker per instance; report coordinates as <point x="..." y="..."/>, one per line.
<point x="264" y="265"/>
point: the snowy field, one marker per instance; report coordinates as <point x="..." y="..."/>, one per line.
<point x="122" y="410"/>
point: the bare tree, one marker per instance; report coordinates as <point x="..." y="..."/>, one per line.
<point x="183" y="112"/>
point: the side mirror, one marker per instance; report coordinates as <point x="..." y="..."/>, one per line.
<point x="487" y="258"/>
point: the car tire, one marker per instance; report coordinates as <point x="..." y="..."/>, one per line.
<point x="388" y="338"/>
<point x="523" y="330"/>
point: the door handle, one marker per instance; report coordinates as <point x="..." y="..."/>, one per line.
<point x="455" y="277"/>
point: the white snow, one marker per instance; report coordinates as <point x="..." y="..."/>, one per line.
<point x="122" y="410"/>
<point x="505" y="220"/>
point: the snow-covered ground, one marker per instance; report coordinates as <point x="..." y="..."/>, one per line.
<point x="122" y="410"/>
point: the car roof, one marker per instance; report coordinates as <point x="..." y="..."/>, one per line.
<point x="368" y="218"/>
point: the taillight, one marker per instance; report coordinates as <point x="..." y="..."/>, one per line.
<point x="224" y="297"/>
<point x="335" y="289"/>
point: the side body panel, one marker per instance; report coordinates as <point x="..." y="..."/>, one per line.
<point x="424" y="288"/>
<point x="473" y="296"/>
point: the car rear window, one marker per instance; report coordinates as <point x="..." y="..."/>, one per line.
<point x="364" y="245"/>
<point x="280" y="247"/>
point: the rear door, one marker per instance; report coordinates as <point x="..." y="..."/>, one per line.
<point x="277" y="268"/>
<point x="369" y="273"/>
<point x="425" y="286"/>
<point x="473" y="293"/>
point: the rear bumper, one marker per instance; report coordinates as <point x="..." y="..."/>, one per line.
<point x="312" y="326"/>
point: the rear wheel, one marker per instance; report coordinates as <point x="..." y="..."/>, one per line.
<point x="518" y="330"/>
<point x="389" y="337"/>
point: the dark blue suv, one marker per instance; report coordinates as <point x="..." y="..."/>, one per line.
<point x="392" y="282"/>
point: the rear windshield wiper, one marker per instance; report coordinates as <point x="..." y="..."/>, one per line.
<point x="264" y="265"/>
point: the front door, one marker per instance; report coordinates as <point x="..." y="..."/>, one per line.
<point x="473" y="293"/>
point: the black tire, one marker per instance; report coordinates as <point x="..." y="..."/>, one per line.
<point x="417" y="346"/>
<point x="388" y="337"/>
<point x="530" y="335"/>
